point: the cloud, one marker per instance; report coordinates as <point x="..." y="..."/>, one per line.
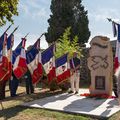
<point x="40" y="13"/>
<point x="33" y="3"/>
<point x="34" y="9"/>
<point x="23" y="8"/>
<point x="37" y="3"/>
<point x="102" y="14"/>
<point x="31" y="38"/>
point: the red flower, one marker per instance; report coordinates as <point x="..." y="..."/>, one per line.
<point x="104" y="95"/>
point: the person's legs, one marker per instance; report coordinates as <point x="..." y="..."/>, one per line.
<point x="11" y="87"/>
<point x="31" y="86"/>
<point x="16" y="86"/>
<point x="72" y="80"/>
<point x="4" y="85"/>
<point x="27" y="86"/>
<point x="2" y="89"/>
<point x="77" y="79"/>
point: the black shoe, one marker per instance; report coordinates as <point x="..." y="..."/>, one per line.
<point x="2" y="98"/>
<point x="76" y="92"/>
<point x="70" y="92"/>
<point x="14" y="95"/>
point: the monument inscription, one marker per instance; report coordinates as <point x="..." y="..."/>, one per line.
<point x="100" y="82"/>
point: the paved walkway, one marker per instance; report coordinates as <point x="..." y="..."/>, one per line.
<point x="77" y="104"/>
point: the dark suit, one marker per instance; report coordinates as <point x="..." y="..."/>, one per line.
<point x="13" y="85"/>
<point x="29" y="85"/>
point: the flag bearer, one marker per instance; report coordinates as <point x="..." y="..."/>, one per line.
<point x="75" y="73"/>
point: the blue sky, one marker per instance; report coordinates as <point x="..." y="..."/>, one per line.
<point x="33" y="16"/>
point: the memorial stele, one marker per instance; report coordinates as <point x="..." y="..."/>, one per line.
<point x="100" y="63"/>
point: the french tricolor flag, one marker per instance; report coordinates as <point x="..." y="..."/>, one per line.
<point x="34" y="62"/>
<point x="10" y="41"/>
<point x="114" y="29"/>
<point x="62" y="68"/>
<point x="19" y="60"/>
<point x="3" y="57"/>
<point x="117" y="53"/>
<point x="48" y="61"/>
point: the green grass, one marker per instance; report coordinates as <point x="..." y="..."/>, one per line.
<point x="23" y="113"/>
<point x="13" y="111"/>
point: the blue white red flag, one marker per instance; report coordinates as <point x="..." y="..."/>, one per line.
<point x="34" y="62"/>
<point x="19" y="60"/>
<point x="48" y="61"/>
<point x="62" y="69"/>
<point x="117" y="53"/>
<point x="3" y="56"/>
<point x="10" y="42"/>
<point x="114" y="29"/>
<point x="118" y="37"/>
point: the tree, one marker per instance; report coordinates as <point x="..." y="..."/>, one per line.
<point x="68" y="13"/>
<point x="8" y="8"/>
<point x="64" y="45"/>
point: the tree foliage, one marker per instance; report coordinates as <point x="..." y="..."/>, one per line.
<point x="8" y="8"/>
<point x="64" y="45"/>
<point x="68" y="13"/>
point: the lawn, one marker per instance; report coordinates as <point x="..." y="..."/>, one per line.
<point x="13" y="111"/>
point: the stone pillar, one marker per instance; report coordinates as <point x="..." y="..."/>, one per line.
<point x="100" y="63"/>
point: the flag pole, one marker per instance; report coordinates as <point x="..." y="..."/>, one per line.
<point x="41" y="35"/>
<point x="14" y="30"/>
<point x="6" y="29"/>
<point x="110" y="20"/>
<point x="26" y="35"/>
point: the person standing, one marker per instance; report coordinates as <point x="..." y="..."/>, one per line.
<point x="13" y="85"/>
<point x="29" y="85"/>
<point x="75" y="74"/>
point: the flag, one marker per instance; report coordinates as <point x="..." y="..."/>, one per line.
<point x="48" y="61"/>
<point x="3" y="56"/>
<point x="62" y="68"/>
<point x="34" y="62"/>
<point x="10" y="42"/>
<point x="19" y="60"/>
<point x="117" y="53"/>
<point x="114" y="29"/>
<point x="118" y="37"/>
<point x="117" y="56"/>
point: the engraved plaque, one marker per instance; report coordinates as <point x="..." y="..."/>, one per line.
<point x="100" y="82"/>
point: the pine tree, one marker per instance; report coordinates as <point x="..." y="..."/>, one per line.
<point x="68" y="13"/>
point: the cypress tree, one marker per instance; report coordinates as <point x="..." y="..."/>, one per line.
<point x="68" y="13"/>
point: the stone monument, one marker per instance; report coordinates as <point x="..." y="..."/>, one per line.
<point x="100" y="63"/>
